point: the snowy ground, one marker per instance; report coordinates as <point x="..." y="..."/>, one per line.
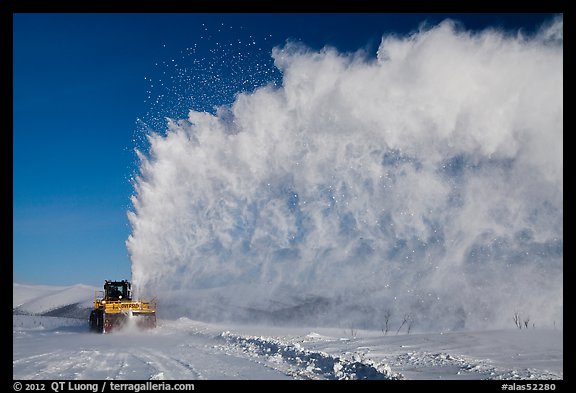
<point x="48" y="347"/>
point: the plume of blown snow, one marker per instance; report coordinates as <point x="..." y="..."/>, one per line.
<point x="427" y="181"/>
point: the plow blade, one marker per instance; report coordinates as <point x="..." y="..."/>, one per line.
<point x="116" y="316"/>
<point x="122" y="320"/>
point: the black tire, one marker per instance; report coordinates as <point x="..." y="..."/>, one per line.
<point x="96" y="321"/>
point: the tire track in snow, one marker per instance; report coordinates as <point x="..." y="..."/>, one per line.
<point x="40" y="366"/>
<point x="55" y="365"/>
<point x="167" y="367"/>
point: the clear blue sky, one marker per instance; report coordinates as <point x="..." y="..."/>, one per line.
<point x="79" y="87"/>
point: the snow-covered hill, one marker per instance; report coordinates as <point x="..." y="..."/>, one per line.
<point x="60" y="301"/>
<point x="49" y="347"/>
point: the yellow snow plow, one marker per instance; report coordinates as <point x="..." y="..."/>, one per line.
<point x="114" y="309"/>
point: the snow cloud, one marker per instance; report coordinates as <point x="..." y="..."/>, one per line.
<point x="428" y="181"/>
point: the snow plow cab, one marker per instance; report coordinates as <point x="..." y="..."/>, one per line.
<point x="114" y="308"/>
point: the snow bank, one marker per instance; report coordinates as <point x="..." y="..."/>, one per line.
<point x="311" y="364"/>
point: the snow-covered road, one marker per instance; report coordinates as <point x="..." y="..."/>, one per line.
<point x="59" y="348"/>
<point x="73" y="353"/>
